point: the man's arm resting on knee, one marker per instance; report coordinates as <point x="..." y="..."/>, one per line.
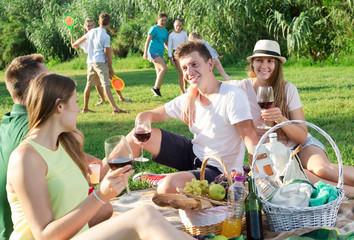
<point x="154" y="115"/>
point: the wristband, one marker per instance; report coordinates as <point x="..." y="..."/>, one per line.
<point x="98" y="198"/>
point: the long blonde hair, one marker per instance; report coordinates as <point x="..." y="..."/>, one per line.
<point x="276" y="80"/>
<point x="42" y="104"/>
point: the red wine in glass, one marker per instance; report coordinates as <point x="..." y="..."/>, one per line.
<point x="142" y="132"/>
<point x="265" y="98"/>
<point x="142" y="137"/>
<point x="119" y="154"/>
<point x="265" y="105"/>
<point x="119" y="162"/>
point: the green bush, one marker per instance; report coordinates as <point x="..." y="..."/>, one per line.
<point x="13" y="39"/>
<point x="131" y="38"/>
<point x="319" y="30"/>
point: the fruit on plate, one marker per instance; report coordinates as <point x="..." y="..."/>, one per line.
<point x="217" y="192"/>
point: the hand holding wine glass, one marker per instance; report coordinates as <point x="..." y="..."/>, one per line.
<point x="119" y="154"/>
<point x="265" y="98"/>
<point x="142" y="132"/>
<point x="111" y="186"/>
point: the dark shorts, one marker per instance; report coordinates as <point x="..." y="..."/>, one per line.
<point x="173" y="55"/>
<point x="177" y="152"/>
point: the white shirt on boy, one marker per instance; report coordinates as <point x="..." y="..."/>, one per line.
<point x="214" y="128"/>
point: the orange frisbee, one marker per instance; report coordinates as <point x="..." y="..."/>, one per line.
<point x="117" y="83"/>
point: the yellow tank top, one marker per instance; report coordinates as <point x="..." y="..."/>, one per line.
<point x="66" y="184"/>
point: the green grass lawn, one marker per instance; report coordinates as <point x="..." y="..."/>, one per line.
<point x="326" y="94"/>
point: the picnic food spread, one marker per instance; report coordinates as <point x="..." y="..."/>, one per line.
<point x="287" y="198"/>
<point x="281" y="179"/>
<point x="204" y="207"/>
<point x="288" y="208"/>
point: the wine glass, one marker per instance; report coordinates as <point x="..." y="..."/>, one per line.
<point x="142" y="132"/>
<point x="265" y="98"/>
<point x="118" y="154"/>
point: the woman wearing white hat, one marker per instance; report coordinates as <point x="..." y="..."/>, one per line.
<point x="266" y="70"/>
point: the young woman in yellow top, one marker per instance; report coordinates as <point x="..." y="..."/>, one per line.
<point x="46" y="183"/>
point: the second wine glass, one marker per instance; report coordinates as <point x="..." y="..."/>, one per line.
<point x="142" y="132"/>
<point x="118" y="154"/>
<point x="265" y="98"/>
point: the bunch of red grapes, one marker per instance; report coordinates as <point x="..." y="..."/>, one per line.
<point x="199" y="236"/>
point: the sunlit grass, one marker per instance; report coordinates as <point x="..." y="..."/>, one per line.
<point x="326" y="94"/>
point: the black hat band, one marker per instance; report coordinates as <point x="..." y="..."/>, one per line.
<point x="267" y="52"/>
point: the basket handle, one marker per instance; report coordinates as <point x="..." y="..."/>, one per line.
<point x="334" y="146"/>
<point x="226" y="170"/>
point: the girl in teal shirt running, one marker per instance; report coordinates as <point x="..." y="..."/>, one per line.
<point x="156" y="40"/>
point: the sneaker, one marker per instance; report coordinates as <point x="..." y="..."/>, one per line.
<point x="149" y="177"/>
<point x="156" y="92"/>
<point x="99" y="103"/>
<point x="127" y="100"/>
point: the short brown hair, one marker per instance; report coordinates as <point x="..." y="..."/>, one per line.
<point x="192" y="46"/>
<point x="20" y="72"/>
<point x="105" y="19"/>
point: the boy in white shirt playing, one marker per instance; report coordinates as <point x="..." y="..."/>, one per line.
<point x="99" y="61"/>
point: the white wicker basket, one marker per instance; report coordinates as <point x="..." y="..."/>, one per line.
<point x="282" y="218"/>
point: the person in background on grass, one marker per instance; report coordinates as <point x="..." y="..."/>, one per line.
<point x="265" y="69"/>
<point x="46" y="182"/>
<point x="194" y="36"/>
<point x="223" y="128"/>
<point x="88" y="25"/>
<point x="155" y="43"/>
<point x="99" y="62"/>
<point x="14" y="127"/>
<point x="175" y="38"/>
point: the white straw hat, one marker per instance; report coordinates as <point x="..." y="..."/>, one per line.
<point x="267" y="48"/>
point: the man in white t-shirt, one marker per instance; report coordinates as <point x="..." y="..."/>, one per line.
<point x="99" y="62"/>
<point x="223" y="124"/>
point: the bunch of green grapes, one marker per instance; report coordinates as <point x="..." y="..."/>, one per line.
<point x="197" y="187"/>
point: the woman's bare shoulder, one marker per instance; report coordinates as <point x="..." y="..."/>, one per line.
<point x="25" y="156"/>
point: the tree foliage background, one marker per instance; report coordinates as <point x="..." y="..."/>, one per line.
<point x="319" y="30"/>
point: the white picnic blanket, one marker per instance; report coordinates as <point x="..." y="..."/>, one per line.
<point x="345" y="219"/>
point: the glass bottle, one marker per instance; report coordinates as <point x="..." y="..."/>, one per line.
<point x="253" y="213"/>
<point x="236" y="194"/>
<point x="266" y="187"/>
